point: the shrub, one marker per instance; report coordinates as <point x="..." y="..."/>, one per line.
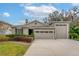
<point x="4" y="38"/>
<point x="11" y="35"/>
<point x="23" y="39"/>
<point x="29" y="39"/>
<point x="74" y="32"/>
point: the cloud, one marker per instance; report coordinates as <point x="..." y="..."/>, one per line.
<point x="25" y="4"/>
<point x="20" y="22"/>
<point x="6" y="14"/>
<point x="75" y="4"/>
<point x="38" y="11"/>
<point x="50" y="4"/>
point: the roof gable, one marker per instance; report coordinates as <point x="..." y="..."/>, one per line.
<point x="36" y="23"/>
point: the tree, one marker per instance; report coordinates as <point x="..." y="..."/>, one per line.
<point x="54" y="16"/>
<point x="73" y="13"/>
<point x="69" y="15"/>
<point x="57" y="16"/>
<point x="45" y="20"/>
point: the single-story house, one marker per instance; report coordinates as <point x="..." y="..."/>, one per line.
<point x="57" y="30"/>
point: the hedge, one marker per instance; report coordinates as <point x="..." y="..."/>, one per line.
<point x="22" y="39"/>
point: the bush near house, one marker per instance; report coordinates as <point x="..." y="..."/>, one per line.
<point x="13" y="35"/>
<point x="22" y="39"/>
<point x="74" y="31"/>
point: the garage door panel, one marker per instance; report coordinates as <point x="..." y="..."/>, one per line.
<point x="61" y="32"/>
<point x="42" y="35"/>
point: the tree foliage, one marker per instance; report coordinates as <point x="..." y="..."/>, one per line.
<point x="63" y="15"/>
<point x="74" y="30"/>
<point x="66" y="15"/>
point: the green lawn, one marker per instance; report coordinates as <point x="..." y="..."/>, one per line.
<point x="12" y="49"/>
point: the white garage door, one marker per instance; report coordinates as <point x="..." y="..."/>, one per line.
<point x="44" y="34"/>
<point x="61" y="32"/>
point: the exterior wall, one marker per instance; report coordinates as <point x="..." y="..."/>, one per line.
<point x="67" y="31"/>
<point x="13" y="30"/>
<point x="9" y="31"/>
<point x="25" y="31"/>
<point x="5" y="29"/>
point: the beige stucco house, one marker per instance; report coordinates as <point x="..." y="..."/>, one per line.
<point x="57" y="30"/>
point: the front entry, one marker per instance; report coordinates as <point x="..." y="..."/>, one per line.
<point x="30" y="31"/>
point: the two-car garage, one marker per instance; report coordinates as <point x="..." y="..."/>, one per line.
<point x="44" y="34"/>
<point x="59" y="31"/>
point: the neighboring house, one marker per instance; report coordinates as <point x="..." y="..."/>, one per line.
<point x="5" y="28"/>
<point x="57" y="30"/>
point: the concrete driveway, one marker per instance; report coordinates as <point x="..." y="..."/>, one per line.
<point x="59" y="47"/>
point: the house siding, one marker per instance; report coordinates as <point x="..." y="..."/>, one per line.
<point x="25" y="31"/>
<point x="5" y="28"/>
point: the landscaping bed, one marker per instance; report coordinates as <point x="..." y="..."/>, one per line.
<point x="20" y="38"/>
<point x="14" y="45"/>
<point x="13" y="48"/>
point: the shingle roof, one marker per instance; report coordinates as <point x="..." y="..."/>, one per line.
<point x="5" y="23"/>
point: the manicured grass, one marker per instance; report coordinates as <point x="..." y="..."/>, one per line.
<point x="12" y="49"/>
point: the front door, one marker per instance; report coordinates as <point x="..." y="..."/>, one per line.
<point x="30" y="31"/>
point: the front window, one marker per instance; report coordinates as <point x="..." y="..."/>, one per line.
<point x="19" y="31"/>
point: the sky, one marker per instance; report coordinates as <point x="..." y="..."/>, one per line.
<point x="16" y="13"/>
